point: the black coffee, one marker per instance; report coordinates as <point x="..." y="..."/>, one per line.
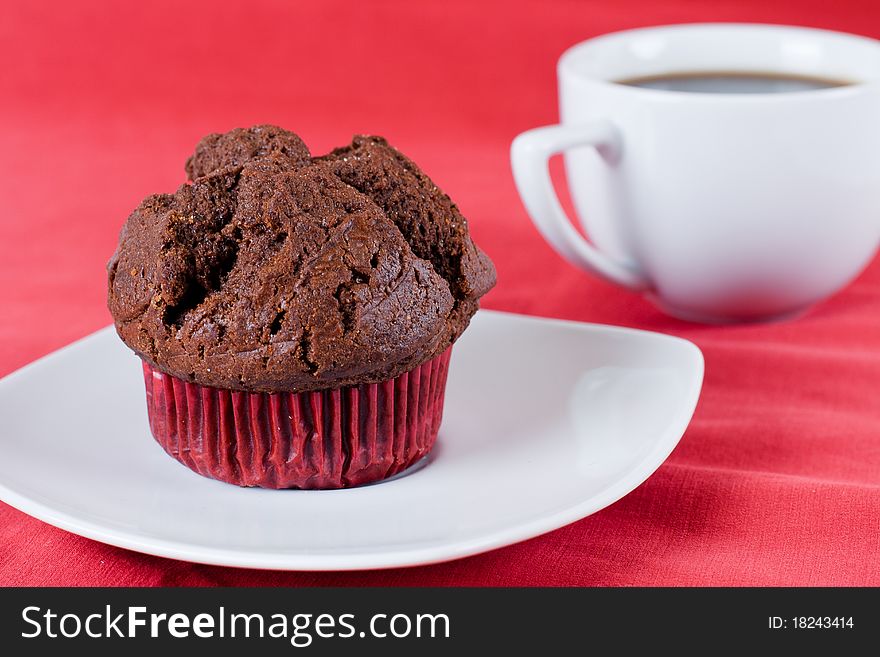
<point x="732" y="82"/>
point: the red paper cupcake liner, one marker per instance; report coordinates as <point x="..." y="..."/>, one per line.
<point x="324" y="439"/>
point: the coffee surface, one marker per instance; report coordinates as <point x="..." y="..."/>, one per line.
<point x="733" y="82"/>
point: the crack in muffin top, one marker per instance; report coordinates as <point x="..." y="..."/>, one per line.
<point x="275" y="271"/>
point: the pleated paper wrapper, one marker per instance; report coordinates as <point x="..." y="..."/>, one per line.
<point x="323" y="439"/>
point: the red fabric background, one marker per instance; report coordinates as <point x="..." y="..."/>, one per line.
<point x="777" y="481"/>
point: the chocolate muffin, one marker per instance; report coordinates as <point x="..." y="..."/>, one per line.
<point x="295" y="314"/>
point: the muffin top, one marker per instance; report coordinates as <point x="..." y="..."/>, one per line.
<point x="272" y="270"/>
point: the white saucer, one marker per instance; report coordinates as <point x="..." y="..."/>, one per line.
<point x="545" y="422"/>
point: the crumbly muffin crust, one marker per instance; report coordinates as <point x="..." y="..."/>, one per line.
<point x="275" y="271"/>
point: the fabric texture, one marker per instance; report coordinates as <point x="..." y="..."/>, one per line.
<point x="777" y="480"/>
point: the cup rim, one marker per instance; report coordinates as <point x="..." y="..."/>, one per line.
<point x="567" y="63"/>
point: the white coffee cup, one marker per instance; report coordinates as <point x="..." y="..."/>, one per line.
<point x="721" y="206"/>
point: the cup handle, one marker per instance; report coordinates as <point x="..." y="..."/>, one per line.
<point x="529" y="157"/>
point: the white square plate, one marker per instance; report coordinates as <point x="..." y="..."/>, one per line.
<point x="545" y="423"/>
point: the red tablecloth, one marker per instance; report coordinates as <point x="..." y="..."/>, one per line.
<point x="776" y="482"/>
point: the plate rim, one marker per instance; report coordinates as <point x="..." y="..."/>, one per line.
<point x="631" y="479"/>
